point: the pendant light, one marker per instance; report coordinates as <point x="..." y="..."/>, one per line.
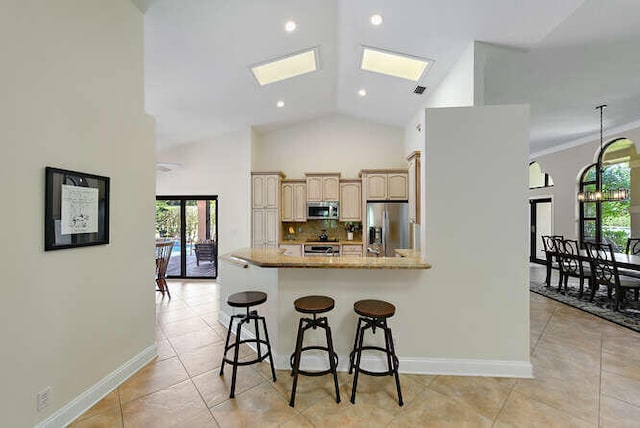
<point x="600" y="195"/>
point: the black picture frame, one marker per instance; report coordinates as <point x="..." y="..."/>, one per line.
<point x="54" y="239"/>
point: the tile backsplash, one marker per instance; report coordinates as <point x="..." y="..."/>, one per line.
<point x="313" y="228"/>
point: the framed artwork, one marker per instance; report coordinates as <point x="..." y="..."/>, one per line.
<point x="76" y="209"/>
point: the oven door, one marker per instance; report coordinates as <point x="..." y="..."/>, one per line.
<point x="321" y="250"/>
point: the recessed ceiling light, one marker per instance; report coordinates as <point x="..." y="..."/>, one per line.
<point x="290" y="26"/>
<point x="376" y="19"/>
<point x="280" y="104"/>
<point x="362" y="92"/>
<point x="394" y="64"/>
<point x="286" y="67"/>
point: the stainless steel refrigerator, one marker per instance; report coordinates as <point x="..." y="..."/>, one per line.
<point x="387" y="228"/>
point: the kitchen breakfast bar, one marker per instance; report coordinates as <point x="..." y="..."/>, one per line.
<point x="345" y="279"/>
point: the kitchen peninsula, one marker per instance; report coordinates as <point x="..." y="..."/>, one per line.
<point x="346" y="279"/>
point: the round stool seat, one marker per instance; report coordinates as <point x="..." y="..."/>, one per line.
<point x="246" y="299"/>
<point x="314" y="304"/>
<point x="374" y="308"/>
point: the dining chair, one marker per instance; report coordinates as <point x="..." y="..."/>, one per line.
<point x="571" y="264"/>
<point x="604" y="271"/>
<point x="633" y="246"/>
<point x="163" y="254"/>
<point x="551" y="257"/>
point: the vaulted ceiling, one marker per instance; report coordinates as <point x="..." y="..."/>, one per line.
<point x="198" y="53"/>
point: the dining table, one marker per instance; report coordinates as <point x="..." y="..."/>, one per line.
<point x="623" y="260"/>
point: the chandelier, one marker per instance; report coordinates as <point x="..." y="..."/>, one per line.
<point x="599" y="195"/>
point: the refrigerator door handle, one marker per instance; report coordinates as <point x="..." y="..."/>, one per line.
<point x="385" y="232"/>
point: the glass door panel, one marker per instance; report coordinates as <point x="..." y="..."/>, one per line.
<point x="202" y="245"/>
<point x="168" y="228"/>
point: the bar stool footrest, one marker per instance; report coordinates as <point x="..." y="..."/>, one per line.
<point x="376" y="348"/>
<point x="320" y="373"/>
<point x="245" y="363"/>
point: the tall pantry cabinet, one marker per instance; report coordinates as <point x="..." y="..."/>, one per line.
<point x="265" y="209"/>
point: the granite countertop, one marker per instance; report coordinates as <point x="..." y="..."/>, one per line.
<point x="273" y="258"/>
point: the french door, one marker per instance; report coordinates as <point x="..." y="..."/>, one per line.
<point x="191" y="222"/>
<point x="540" y="225"/>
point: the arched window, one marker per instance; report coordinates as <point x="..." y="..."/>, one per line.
<point x="537" y="178"/>
<point x="607" y="221"/>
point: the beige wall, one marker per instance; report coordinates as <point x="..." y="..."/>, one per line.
<point x="335" y="143"/>
<point x="72" y="79"/>
<point x="565" y="167"/>
<point x="219" y="166"/>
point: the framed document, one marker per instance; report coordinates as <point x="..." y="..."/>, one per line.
<point x="76" y="209"/>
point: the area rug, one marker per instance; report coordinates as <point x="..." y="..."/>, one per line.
<point x="601" y="306"/>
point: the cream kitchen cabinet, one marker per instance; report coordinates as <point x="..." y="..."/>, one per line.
<point x="350" y="200"/>
<point x="291" y="250"/>
<point x="294" y="200"/>
<point x="265" y="212"/>
<point x="265" y="188"/>
<point x="385" y="185"/>
<point x="414" y="187"/>
<point x="265" y="228"/>
<point x="323" y="187"/>
<point x="354" y="250"/>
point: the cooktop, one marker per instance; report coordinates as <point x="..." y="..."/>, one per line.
<point x="319" y="240"/>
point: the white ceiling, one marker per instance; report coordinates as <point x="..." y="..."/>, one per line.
<point x="198" y="53"/>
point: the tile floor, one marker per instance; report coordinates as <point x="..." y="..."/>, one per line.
<point x="587" y="373"/>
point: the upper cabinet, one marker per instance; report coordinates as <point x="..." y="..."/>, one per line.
<point x="350" y="200"/>
<point x="386" y="185"/>
<point x="323" y="187"/>
<point x="265" y="188"/>
<point x="294" y="200"/>
<point x="414" y="187"/>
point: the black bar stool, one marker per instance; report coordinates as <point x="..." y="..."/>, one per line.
<point x="313" y="305"/>
<point x="374" y="314"/>
<point x="246" y="299"/>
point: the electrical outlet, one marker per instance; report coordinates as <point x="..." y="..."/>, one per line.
<point x="43" y="398"/>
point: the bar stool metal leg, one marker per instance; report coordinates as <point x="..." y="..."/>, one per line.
<point x="392" y="350"/>
<point x="355" y="346"/>
<point x="255" y="323"/>
<point x="296" y="362"/>
<point x="332" y="362"/>
<point x="357" y="366"/>
<point x="226" y="343"/>
<point x="266" y="336"/>
<point x="235" y="360"/>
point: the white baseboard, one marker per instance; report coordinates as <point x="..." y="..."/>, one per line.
<point x="76" y="407"/>
<point x="409" y="365"/>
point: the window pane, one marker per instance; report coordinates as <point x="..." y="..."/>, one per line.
<point x="590" y="174"/>
<point x="589" y="209"/>
<point x="589" y="230"/>
<point x="201" y="245"/>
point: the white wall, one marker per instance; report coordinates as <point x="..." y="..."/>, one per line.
<point x="219" y="166"/>
<point x="336" y="143"/>
<point x="565" y="167"/>
<point x="455" y="90"/>
<point x="72" y="79"/>
<point x="476" y="230"/>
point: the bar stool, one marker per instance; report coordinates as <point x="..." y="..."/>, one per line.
<point x="246" y="299"/>
<point x="373" y="314"/>
<point x="313" y="305"/>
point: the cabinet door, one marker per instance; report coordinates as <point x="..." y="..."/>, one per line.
<point x="257" y="229"/>
<point x="300" y="202"/>
<point x="350" y="202"/>
<point x="292" y="250"/>
<point x="330" y="188"/>
<point x="376" y="187"/>
<point x="271" y="191"/>
<point x="412" y="190"/>
<point x="351" y="250"/>
<point x="314" y="189"/>
<point x="398" y="186"/>
<point x="271" y="228"/>
<point x="257" y="191"/>
<point x="288" y="203"/>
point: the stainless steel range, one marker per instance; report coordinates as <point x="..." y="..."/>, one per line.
<point x="321" y="249"/>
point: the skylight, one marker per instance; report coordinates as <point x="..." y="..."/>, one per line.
<point x="394" y="64"/>
<point x="286" y="67"/>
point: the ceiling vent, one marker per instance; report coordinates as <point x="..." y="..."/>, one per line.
<point x="419" y="90"/>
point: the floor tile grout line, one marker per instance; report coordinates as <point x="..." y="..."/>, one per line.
<point x="621" y="400"/>
<point x="544" y="329"/>
<point x="504" y="403"/>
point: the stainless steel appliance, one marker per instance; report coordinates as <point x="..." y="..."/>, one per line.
<point x="321" y="249"/>
<point x="323" y="210"/>
<point x="387" y="228"/>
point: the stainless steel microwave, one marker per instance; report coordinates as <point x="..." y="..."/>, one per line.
<point x="323" y="210"/>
